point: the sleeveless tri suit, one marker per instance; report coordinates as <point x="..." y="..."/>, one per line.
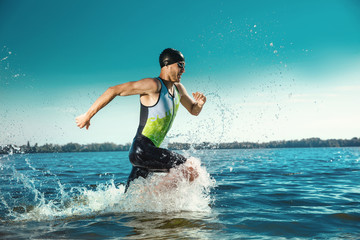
<point x="145" y="154"/>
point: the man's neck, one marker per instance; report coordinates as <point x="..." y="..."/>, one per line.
<point x="169" y="84"/>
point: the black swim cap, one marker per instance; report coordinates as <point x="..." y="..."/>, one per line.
<point x="170" y="56"/>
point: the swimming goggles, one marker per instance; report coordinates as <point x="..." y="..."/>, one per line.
<point x="181" y="65"/>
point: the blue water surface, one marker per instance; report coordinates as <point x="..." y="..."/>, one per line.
<point x="302" y="193"/>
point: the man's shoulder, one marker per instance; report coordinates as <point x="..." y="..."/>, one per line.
<point x="153" y="83"/>
<point x="179" y="86"/>
<point x="153" y="79"/>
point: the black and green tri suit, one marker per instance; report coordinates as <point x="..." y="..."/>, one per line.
<point x="145" y="154"/>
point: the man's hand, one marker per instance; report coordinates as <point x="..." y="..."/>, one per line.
<point x="199" y="98"/>
<point x="83" y="121"/>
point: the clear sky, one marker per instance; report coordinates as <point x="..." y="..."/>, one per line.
<point x="271" y="70"/>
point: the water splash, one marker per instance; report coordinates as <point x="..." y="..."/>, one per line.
<point x="162" y="192"/>
<point x="172" y="192"/>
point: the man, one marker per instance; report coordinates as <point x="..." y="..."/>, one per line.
<point x="160" y="98"/>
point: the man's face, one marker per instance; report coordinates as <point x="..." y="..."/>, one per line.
<point x="176" y="70"/>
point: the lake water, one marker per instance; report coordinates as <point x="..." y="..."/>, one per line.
<point x="239" y="194"/>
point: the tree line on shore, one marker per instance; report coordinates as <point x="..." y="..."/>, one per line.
<point x="69" y="147"/>
<point x="107" y="147"/>
<point x="303" y="143"/>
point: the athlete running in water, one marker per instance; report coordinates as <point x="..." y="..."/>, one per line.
<point x="160" y="98"/>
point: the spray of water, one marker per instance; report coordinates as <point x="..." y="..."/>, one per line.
<point x="161" y="192"/>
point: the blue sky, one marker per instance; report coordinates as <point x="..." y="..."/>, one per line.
<point x="272" y="70"/>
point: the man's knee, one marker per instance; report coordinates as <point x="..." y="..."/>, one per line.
<point x="177" y="159"/>
<point x="190" y="173"/>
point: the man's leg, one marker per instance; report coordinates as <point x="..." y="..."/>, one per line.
<point x="135" y="173"/>
<point x="146" y="157"/>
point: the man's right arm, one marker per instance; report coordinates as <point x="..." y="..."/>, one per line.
<point x="141" y="87"/>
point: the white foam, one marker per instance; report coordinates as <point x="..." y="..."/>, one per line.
<point x="172" y="192"/>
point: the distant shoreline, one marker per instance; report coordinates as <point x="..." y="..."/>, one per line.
<point x="110" y="147"/>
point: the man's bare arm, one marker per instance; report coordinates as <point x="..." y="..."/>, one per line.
<point x="194" y="106"/>
<point x="141" y="87"/>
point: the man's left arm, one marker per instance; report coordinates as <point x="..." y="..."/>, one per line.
<point x="194" y="106"/>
